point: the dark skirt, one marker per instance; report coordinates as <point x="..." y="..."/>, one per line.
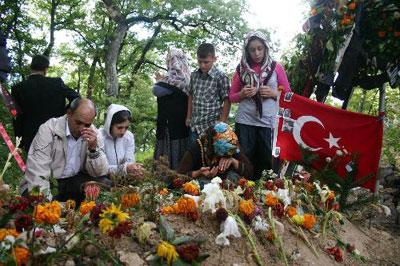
<point x="172" y="133"/>
<point x="172" y="149"/>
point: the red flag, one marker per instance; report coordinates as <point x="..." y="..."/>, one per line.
<point x="328" y="132"/>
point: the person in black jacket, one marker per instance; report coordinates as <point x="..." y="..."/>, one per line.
<point x="39" y="98"/>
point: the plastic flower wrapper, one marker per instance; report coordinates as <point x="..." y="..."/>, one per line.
<point x="230" y="227"/>
<point x="213" y="195"/>
<point x="259" y="224"/>
<point x="283" y="195"/>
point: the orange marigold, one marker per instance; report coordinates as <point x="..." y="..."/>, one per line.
<point x="48" y="213"/>
<point x="309" y="221"/>
<point x="163" y="191"/>
<point x="7" y="232"/>
<point x="246" y="207"/>
<point x="185" y="205"/>
<point x="167" y="210"/>
<point x="271" y="200"/>
<point x="191" y="189"/>
<point x="130" y="200"/>
<point x="86" y="207"/>
<point x="21" y="256"/>
<point x="309" y="187"/>
<point x="291" y="211"/>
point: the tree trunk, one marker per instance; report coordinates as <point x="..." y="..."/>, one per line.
<point x="54" y="4"/>
<point x="111" y="58"/>
<point x="92" y="72"/>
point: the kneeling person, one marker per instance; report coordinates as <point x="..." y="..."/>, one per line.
<point x="119" y="142"/>
<point x="69" y="149"/>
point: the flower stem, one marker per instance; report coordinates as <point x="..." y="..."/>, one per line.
<point x="250" y="238"/>
<point x="277" y="237"/>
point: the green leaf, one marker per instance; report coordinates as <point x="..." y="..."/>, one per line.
<point x="166" y="231"/>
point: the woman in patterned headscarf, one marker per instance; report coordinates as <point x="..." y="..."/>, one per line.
<point x="255" y="87"/>
<point x="172" y="92"/>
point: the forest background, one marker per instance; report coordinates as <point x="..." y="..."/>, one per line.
<point x="109" y="51"/>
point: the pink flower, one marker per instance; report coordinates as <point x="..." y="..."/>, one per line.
<point x="92" y="191"/>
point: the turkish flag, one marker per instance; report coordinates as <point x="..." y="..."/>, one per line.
<point x="328" y="132"/>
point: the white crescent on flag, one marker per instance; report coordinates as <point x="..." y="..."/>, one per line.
<point x="298" y="125"/>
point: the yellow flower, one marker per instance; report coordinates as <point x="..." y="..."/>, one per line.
<point x="298" y="219"/>
<point x="246" y="207"/>
<point x="48" y="213"/>
<point x="130" y="200"/>
<point x="167" y="251"/>
<point x="7" y="232"/>
<point x="70" y="204"/>
<point x="113" y="212"/>
<point x="106" y="225"/>
<point x="251" y="183"/>
<point x="86" y="207"/>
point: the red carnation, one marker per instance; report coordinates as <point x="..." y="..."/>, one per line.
<point x="24" y="221"/>
<point x="279" y="183"/>
<point x="177" y="183"/>
<point x="248" y="193"/>
<point x="269" y="185"/>
<point x="20" y="204"/>
<point x="95" y="213"/>
<point x="123" y="228"/>
<point x="278" y="210"/>
<point x="188" y="252"/>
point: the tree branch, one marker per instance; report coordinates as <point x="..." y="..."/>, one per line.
<point x="146" y="48"/>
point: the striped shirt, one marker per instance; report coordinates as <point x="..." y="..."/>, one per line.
<point x="208" y="92"/>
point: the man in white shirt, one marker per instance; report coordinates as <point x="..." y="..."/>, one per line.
<point x="69" y="149"/>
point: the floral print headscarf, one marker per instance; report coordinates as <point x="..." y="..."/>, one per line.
<point x="178" y="70"/>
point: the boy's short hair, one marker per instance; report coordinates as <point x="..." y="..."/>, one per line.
<point x="40" y="62"/>
<point x="205" y="50"/>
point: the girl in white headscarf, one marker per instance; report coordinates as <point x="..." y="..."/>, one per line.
<point x="172" y="92"/>
<point x="255" y="87"/>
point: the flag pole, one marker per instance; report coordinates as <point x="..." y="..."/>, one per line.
<point x="381" y="110"/>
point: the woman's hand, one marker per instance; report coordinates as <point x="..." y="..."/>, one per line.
<point x="248" y="92"/>
<point x="159" y="76"/>
<point x="135" y="169"/>
<point x="225" y="163"/>
<point x="268" y="92"/>
<point x="206" y="172"/>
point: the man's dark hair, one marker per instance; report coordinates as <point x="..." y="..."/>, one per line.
<point x="120" y="117"/>
<point x="205" y="50"/>
<point x="40" y="62"/>
<point x="76" y="102"/>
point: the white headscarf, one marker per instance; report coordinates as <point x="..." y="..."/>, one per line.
<point x="178" y="70"/>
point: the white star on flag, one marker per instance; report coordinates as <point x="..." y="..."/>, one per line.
<point x="333" y="142"/>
